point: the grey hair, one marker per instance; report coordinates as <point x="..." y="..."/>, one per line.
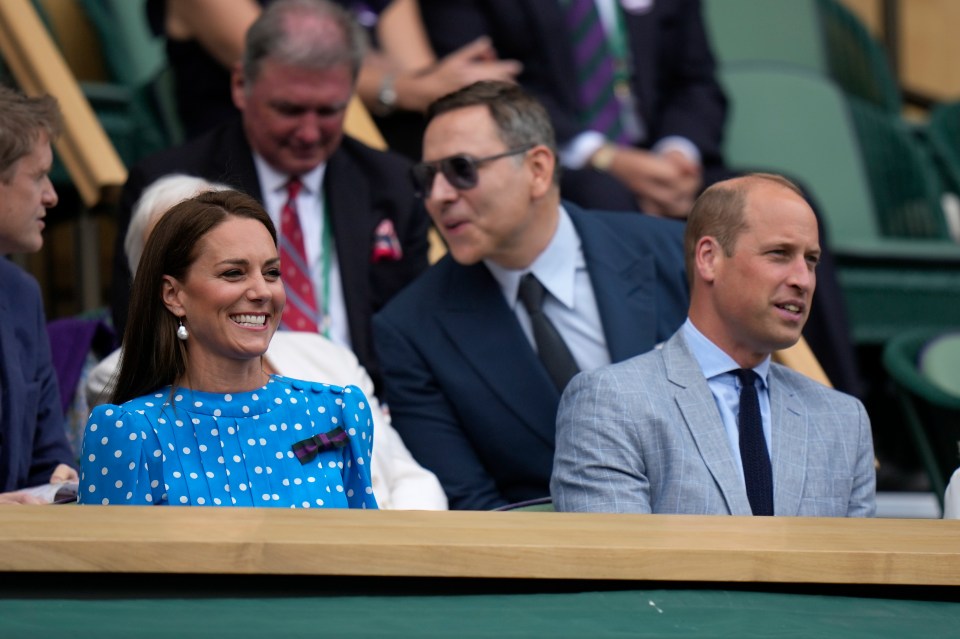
<point x="287" y="32"/>
<point x="158" y="198"/>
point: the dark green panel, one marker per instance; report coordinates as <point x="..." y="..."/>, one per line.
<point x="650" y="613"/>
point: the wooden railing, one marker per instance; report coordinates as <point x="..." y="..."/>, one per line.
<point x="513" y="545"/>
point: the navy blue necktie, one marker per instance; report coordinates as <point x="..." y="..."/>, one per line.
<point x="753" y="446"/>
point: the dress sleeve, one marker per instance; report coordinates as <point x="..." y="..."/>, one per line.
<point x="358" y="423"/>
<point x="120" y="462"/>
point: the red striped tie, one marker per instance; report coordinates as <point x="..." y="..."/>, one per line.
<point x="300" y="313"/>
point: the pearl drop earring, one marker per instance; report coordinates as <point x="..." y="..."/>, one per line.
<point x="182" y="333"/>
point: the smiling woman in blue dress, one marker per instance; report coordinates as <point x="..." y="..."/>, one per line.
<point x="195" y="419"/>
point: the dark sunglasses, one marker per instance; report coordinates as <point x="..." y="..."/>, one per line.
<point x="459" y="170"/>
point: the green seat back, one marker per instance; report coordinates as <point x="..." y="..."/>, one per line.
<point x="932" y="414"/>
<point x="902" y="174"/>
<point x="132" y="53"/>
<point x="136" y="60"/>
<point x="796" y="122"/>
<point x="939" y="362"/>
<point x="943" y="133"/>
<point x="763" y="30"/>
<point x="857" y="62"/>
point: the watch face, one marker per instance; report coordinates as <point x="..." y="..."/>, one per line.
<point x="388" y="96"/>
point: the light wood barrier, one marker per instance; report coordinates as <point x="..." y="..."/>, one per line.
<point x="39" y="68"/>
<point x="513" y="545"/>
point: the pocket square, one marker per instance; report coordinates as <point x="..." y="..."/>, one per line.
<point x="386" y="244"/>
<point x="307" y="449"/>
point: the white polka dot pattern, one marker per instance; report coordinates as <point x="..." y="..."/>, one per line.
<point x="209" y="449"/>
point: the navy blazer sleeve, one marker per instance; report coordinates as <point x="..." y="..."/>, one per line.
<point x="34" y="441"/>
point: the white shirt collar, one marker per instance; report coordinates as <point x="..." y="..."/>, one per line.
<point x="273" y="181"/>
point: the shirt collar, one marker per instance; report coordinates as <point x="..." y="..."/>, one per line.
<point x="275" y="181"/>
<point x="556" y="267"/>
<point x="712" y="359"/>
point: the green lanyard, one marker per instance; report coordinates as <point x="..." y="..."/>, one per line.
<point x="618" y="44"/>
<point x="619" y="49"/>
<point x="326" y="247"/>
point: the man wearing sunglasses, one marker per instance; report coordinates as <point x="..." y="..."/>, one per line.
<point x="476" y="352"/>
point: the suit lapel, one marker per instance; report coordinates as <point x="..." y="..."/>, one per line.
<point x="237" y="168"/>
<point x="623" y="284"/>
<point x="699" y="409"/>
<point x="788" y="433"/>
<point x="485" y="331"/>
<point x="348" y="211"/>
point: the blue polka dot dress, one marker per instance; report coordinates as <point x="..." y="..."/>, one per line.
<point x="211" y="449"/>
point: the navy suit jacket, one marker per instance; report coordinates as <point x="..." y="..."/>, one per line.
<point x="465" y="388"/>
<point x="32" y="436"/>
<point x="362" y="187"/>
<point x="673" y="70"/>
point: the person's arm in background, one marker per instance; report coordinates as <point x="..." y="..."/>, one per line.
<point x="218" y="25"/>
<point x="406" y="61"/>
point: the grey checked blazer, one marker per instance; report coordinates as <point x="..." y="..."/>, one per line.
<point x="645" y="436"/>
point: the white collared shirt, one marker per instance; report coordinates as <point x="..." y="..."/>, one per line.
<point x="570" y="305"/>
<point x="311" y="211"/>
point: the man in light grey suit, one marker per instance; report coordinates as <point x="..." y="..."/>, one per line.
<point x="669" y="431"/>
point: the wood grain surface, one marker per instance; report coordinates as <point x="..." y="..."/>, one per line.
<point x="525" y="545"/>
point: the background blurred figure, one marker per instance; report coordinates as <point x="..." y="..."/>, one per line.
<point x="196" y="418"/>
<point x="33" y="442"/>
<point x="398" y="481"/>
<point x="353" y="233"/>
<point x="400" y="74"/>
<point x="630" y="88"/>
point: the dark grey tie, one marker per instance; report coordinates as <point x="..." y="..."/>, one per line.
<point x="753" y="446"/>
<point x="551" y="348"/>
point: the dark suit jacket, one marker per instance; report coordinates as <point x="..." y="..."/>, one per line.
<point x="673" y="68"/>
<point x="362" y="187"/>
<point x="466" y="391"/>
<point x="32" y="436"/>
